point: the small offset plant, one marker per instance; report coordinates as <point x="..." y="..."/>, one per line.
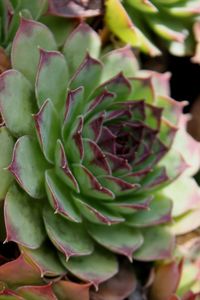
<point x="154" y="24"/>
<point x="93" y="156"/>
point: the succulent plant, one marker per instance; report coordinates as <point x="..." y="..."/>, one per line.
<point x="154" y="24"/>
<point x="88" y="148"/>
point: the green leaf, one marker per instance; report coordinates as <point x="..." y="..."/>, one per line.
<point x="142" y="89"/>
<point x="69" y="237"/>
<point x="44" y="292"/>
<point x="120" y="60"/>
<point x="6" y="147"/>
<point x="87" y="75"/>
<point x="118" y="238"/>
<point x="120" y="23"/>
<point x="89" y="184"/>
<point x="60" y="197"/>
<point x="74" y="291"/>
<point x="60" y="27"/>
<point x="158" y="244"/>
<point x="158" y="212"/>
<point x="16" y="100"/>
<point x="47" y="125"/>
<point x="52" y="69"/>
<point x="36" y="7"/>
<point x="94" y="268"/>
<point x="96" y="213"/>
<point x="28" y="166"/>
<point x="45" y="259"/>
<point x="23" y="219"/>
<point x="86" y="40"/>
<point x="25" y="52"/>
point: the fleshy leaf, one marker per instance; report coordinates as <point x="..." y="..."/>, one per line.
<point x="60" y="197"/>
<point x="185" y="195"/>
<point x="23" y="219"/>
<point x="44" y="292"/>
<point x="73" y="108"/>
<point x="89" y="184"/>
<point x="123" y="28"/>
<point x="74" y="291"/>
<point x="166" y="280"/>
<point x="69" y="237"/>
<point x="73" y="9"/>
<point x="99" y="214"/>
<point x="25" y="52"/>
<point x="48" y="129"/>
<point x="142" y="89"/>
<point x="19" y="272"/>
<point x="88" y="75"/>
<point x="119" y="85"/>
<point x="7" y="144"/>
<point x="62" y="167"/>
<point x="158" y="244"/>
<point x="15" y="102"/>
<point x="36" y="8"/>
<point x="158" y="212"/>
<point x="94" y="268"/>
<point x="86" y="40"/>
<point x="29" y="172"/>
<point x="186" y="223"/>
<point x="117" y="238"/>
<point x="53" y="69"/>
<point x="45" y="259"/>
<point x="120" y="60"/>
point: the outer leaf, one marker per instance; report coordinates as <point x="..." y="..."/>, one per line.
<point x="36" y="8"/>
<point x="95" y="268"/>
<point x="23" y="219"/>
<point x="74" y="291"/>
<point x="44" y="292"/>
<point x="166" y="281"/>
<point x="72" y="9"/>
<point x="19" y="272"/>
<point x="159" y="212"/>
<point x="124" y="28"/>
<point x="52" y="69"/>
<point x="187" y="222"/>
<point x="25" y="53"/>
<point x="185" y="194"/>
<point x="120" y="60"/>
<point x="117" y="238"/>
<point x="70" y="238"/>
<point x="86" y="40"/>
<point x="158" y="244"/>
<point x="6" y="146"/>
<point x="29" y="172"/>
<point x="15" y="102"/>
<point x="45" y="259"/>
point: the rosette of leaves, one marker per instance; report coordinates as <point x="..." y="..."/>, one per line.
<point x="154" y="24"/>
<point x="87" y="146"/>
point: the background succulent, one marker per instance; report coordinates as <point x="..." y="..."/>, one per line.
<point x="90" y="147"/>
<point x="154" y="24"/>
